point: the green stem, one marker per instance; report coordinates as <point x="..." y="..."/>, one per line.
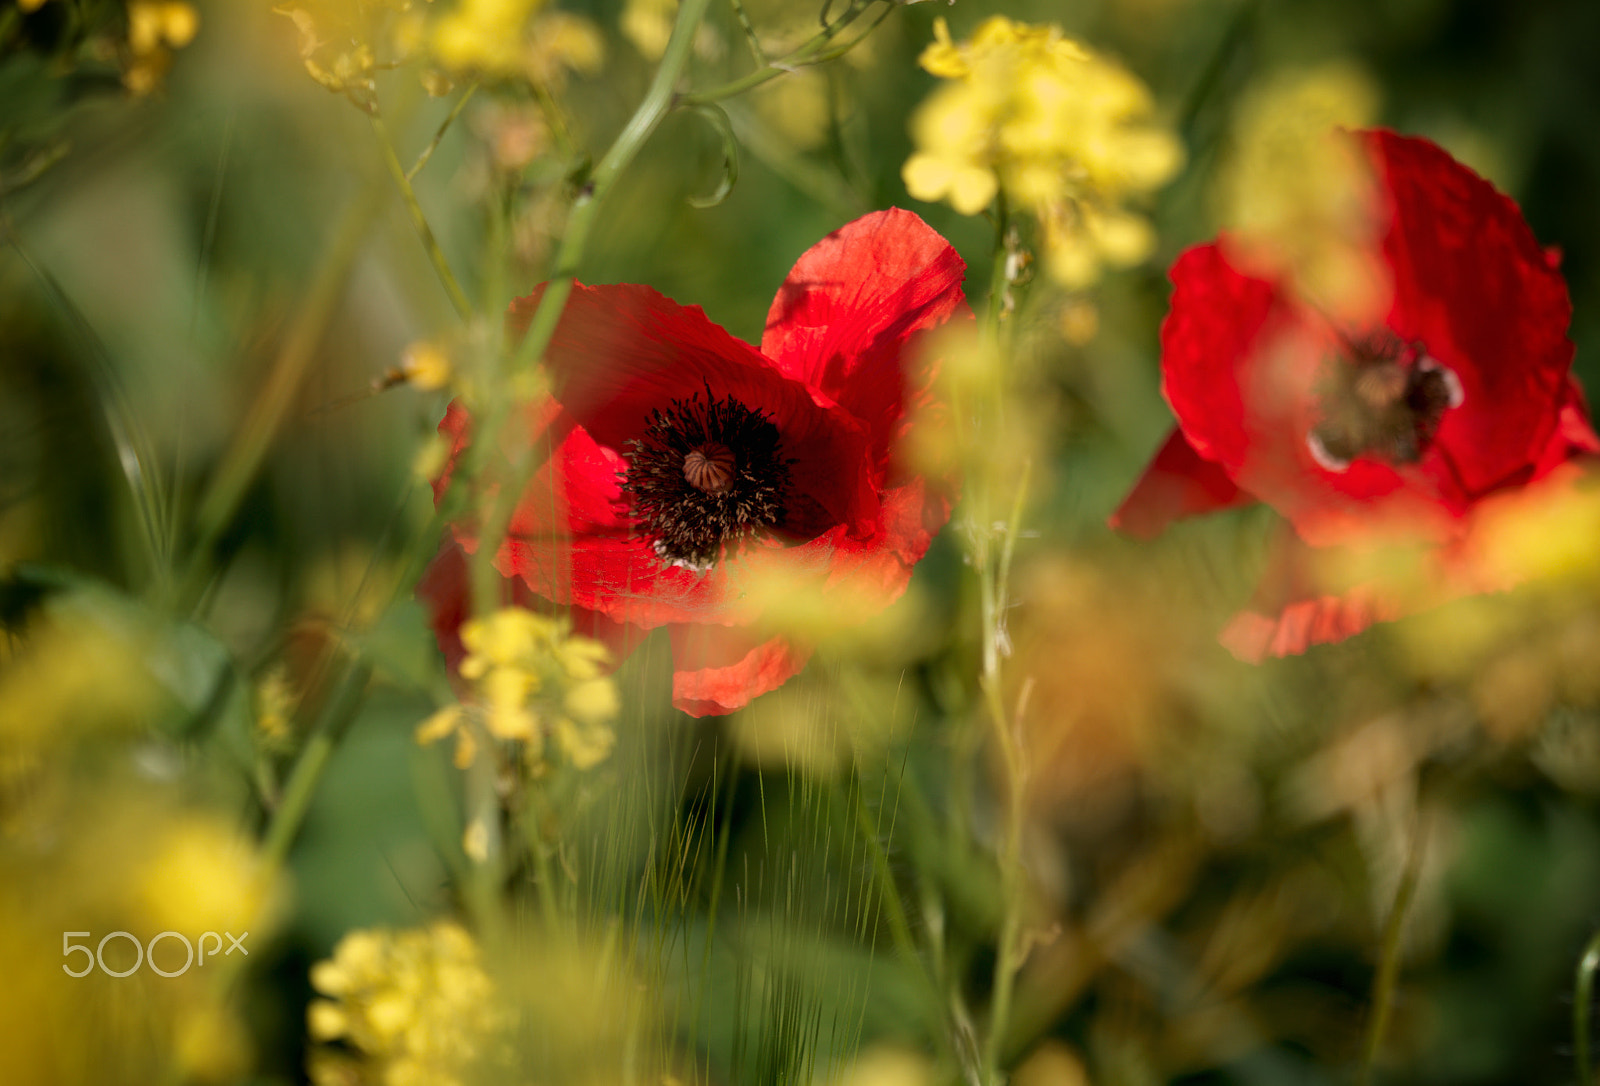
<point x="1228" y="43"/>
<point x="441" y="266"/>
<point x="658" y="100"/>
<point x="438" y="137"/>
<point x="814" y="51"/>
<point x="1008" y="959"/>
<point x="1384" y="981"/>
<point x="993" y="560"/>
<point x="308" y="768"/>
<point x="487" y="873"/>
<point x="888" y="890"/>
<point x="556" y="119"/>
<point x="999" y="282"/>
<point x="1583" y="998"/>
<point x="750" y="34"/>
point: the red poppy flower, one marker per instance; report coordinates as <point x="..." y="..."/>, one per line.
<point x="681" y="455"/>
<point x="1395" y="432"/>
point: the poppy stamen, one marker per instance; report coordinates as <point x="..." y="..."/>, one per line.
<point x="1381" y="398"/>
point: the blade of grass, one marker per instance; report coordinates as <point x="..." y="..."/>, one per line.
<point x="261" y="424"/>
<point x="1388" y="974"/>
<point x="135" y="453"/>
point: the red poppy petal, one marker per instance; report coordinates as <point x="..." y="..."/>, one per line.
<point x="717" y="669"/>
<point x="1304" y="600"/>
<point x="876" y="569"/>
<point x="842" y="318"/>
<point x="1574" y="435"/>
<point x="619" y="576"/>
<point x="1253" y="635"/>
<point x="1217" y="316"/>
<point x="445" y="590"/>
<point x="622" y="352"/>
<point x="1473" y="284"/>
<point x="1178" y="483"/>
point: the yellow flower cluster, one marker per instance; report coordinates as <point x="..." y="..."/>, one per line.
<point x="1298" y="199"/>
<point x="648" y="25"/>
<point x="1060" y="130"/>
<point x="109" y="852"/>
<point x="340" y="42"/>
<point x="532" y="677"/>
<point x="512" y="38"/>
<point x="155" y="28"/>
<point x="416" y="1007"/>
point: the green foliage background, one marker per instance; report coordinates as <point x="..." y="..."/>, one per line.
<point x="151" y="274"/>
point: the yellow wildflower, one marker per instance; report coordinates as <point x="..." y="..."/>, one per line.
<point x="113" y="852"/>
<point x="1059" y="129"/>
<point x="155" y="28"/>
<point x="532" y="678"/>
<point x="559" y="43"/>
<point x="426" y="366"/>
<point x="648" y="25"/>
<point x="504" y="38"/>
<point x="275" y="705"/>
<point x="151" y="26"/>
<point x="483" y="35"/>
<point x="1299" y="201"/>
<point x="409" y="1006"/>
<point x="890" y="1065"/>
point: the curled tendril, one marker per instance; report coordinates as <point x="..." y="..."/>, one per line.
<point x="730" y="154"/>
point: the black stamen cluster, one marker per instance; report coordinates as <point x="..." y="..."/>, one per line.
<point x="1383" y="399"/>
<point x="691" y="526"/>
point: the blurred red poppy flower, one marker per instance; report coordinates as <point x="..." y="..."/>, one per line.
<point x="1396" y="432"/>
<point x="680" y="455"/>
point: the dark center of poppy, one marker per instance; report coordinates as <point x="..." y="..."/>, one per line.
<point x="1381" y="398"/>
<point x="705" y="474"/>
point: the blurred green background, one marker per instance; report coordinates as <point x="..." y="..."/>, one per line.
<point x="153" y="272"/>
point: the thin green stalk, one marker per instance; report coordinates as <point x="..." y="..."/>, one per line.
<point x="269" y="408"/>
<point x="814" y="51"/>
<point x="337" y="715"/>
<point x="1582" y="1001"/>
<point x="993" y="557"/>
<point x="487" y="872"/>
<point x="438" y="136"/>
<point x="750" y="34"/>
<point x="888" y="891"/>
<point x="1008" y="959"/>
<point x="585" y="210"/>
<point x="402" y="179"/>
<point x="553" y="115"/>
<point x="999" y="281"/>
<point x="335" y="720"/>
<point x="1228" y="43"/>
<point x="1384" y="981"/>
